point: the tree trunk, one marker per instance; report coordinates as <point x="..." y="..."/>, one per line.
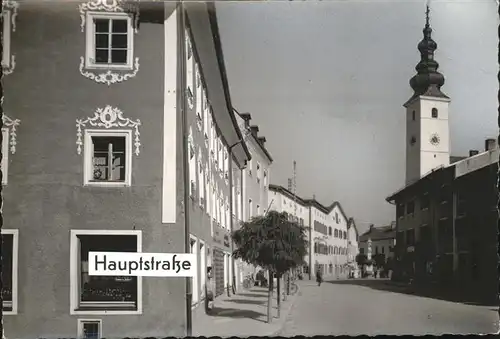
<point x="270" y="298"/>
<point x="278" y="294"/>
<point x="288" y="283"/>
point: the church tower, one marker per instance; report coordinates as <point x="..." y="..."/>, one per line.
<point x="427" y="126"/>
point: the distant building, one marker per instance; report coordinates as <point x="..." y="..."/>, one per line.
<point x="446" y="215"/>
<point x="326" y="231"/>
<point x="352" y="245"/>
<point x="383" y="241"/>
<point x="251" y="184"/>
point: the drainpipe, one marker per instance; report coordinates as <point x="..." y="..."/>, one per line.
<point x="1" y="195"/>
<point x="181" y="99"/>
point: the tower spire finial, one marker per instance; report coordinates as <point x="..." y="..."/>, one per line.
<point x="427" y="12"/>
<point x="428" y="80"/>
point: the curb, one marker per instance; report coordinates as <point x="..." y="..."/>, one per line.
<point x="285" y="315"/>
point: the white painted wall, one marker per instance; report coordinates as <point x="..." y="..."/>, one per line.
<point x="423" y="156"/>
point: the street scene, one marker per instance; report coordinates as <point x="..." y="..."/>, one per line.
<point x="260" y="168"/>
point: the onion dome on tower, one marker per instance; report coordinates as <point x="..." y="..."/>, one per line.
<point x="428" y="80"/>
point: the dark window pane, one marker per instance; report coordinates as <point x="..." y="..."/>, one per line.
<point x="101" y="25"/>
<point x="101" y="56"/>
<point x="102" y="288"/>
<point x="102" y="158"/>
<point x="119" y="26"/>
<point x="119" y="56"/>
<point x="7" y="248"/>
<point x="119" y="41"/>
<point x="102" y="40"/>
<point x="91" y="330"/>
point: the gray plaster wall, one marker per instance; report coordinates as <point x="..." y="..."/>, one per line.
<point x="45" y="197"/>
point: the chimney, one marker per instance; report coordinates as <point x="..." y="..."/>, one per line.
<point x="490" y="144"/>
<point x="262" y="140"/>
<point x="371" y="227"/>
<point x="246" y="117"/>
<point x="473" y="152"/>
<point x="254" y="130"/>
<point x="314" y="196"/>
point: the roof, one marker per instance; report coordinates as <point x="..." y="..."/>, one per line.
<point x="378" y="233"/>
<point x="247" y="116"/>
<point x="287" y="193"/>
<point x="202" y="21"/>
<point x="351" y="223"/>
<point x="212" y="12"/>
<point x="462" y="166"/>
<point x="454" y="159"/>
<point x="309" y="202"/>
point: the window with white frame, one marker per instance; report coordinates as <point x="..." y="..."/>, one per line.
<point x="192" y="165"/>
<point x="103" y="294"/>
<point x="5" y="155"/>
<point x="110" y="40"/>
<point x="199" y="100"/>
<point x="222" y="211"/>
<point x="6" y="37"/>
<point x="249" y="167"/>
<point x="221" y="155"/>
<point x="206" y="113"/>
<point x="201" y="176"/>
<point x="108" y="157"/>
<point x="226" y="165"/>
<point x="89" y="328"/>
<point x="214" y="203"/>
<point x="10" y="250"/>
<point x="258" y="172"/>
<point x="233" y="189"/>
<point x="189" y="70"/>
<point x="207" y="188"/>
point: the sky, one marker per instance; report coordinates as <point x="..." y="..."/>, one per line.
<point x="325" y="82"/>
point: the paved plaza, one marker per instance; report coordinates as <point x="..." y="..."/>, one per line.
<point x="352" y="307"/>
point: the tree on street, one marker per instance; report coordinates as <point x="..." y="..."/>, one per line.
<point x="273" y="242"/>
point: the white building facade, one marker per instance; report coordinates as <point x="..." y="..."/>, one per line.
<point x="251" y="184"/>
<point x="326" y="232"/>
<point x="352" y="247"/>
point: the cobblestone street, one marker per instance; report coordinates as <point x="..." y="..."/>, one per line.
<point x="350" y="308"/>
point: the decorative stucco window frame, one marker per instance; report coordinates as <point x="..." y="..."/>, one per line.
<point x="15" y="264"/>
<point x="108" y="9"/>
<point x="108" y="121"/>
<point x="74" y="258"/>
<point x="9" y="134"/>
<point x="9" y="13"/>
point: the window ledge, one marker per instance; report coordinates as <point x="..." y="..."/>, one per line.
<point x="107" y="184"/>
<point x="115" y="67"/>
<point x="9" y="312"/>
<point x="105" y="312"/>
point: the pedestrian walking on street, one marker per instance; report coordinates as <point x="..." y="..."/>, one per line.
<point x="319" y="277"/>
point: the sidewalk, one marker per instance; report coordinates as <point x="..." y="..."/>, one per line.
<point x="242" y="315"/>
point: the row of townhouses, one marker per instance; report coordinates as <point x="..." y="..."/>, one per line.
<point x="95" y="139"/>
<point x="332" y="236"/>
<point x="446" y="215"/>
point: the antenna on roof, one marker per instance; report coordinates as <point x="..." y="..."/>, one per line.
<point x="295" y="188"/>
